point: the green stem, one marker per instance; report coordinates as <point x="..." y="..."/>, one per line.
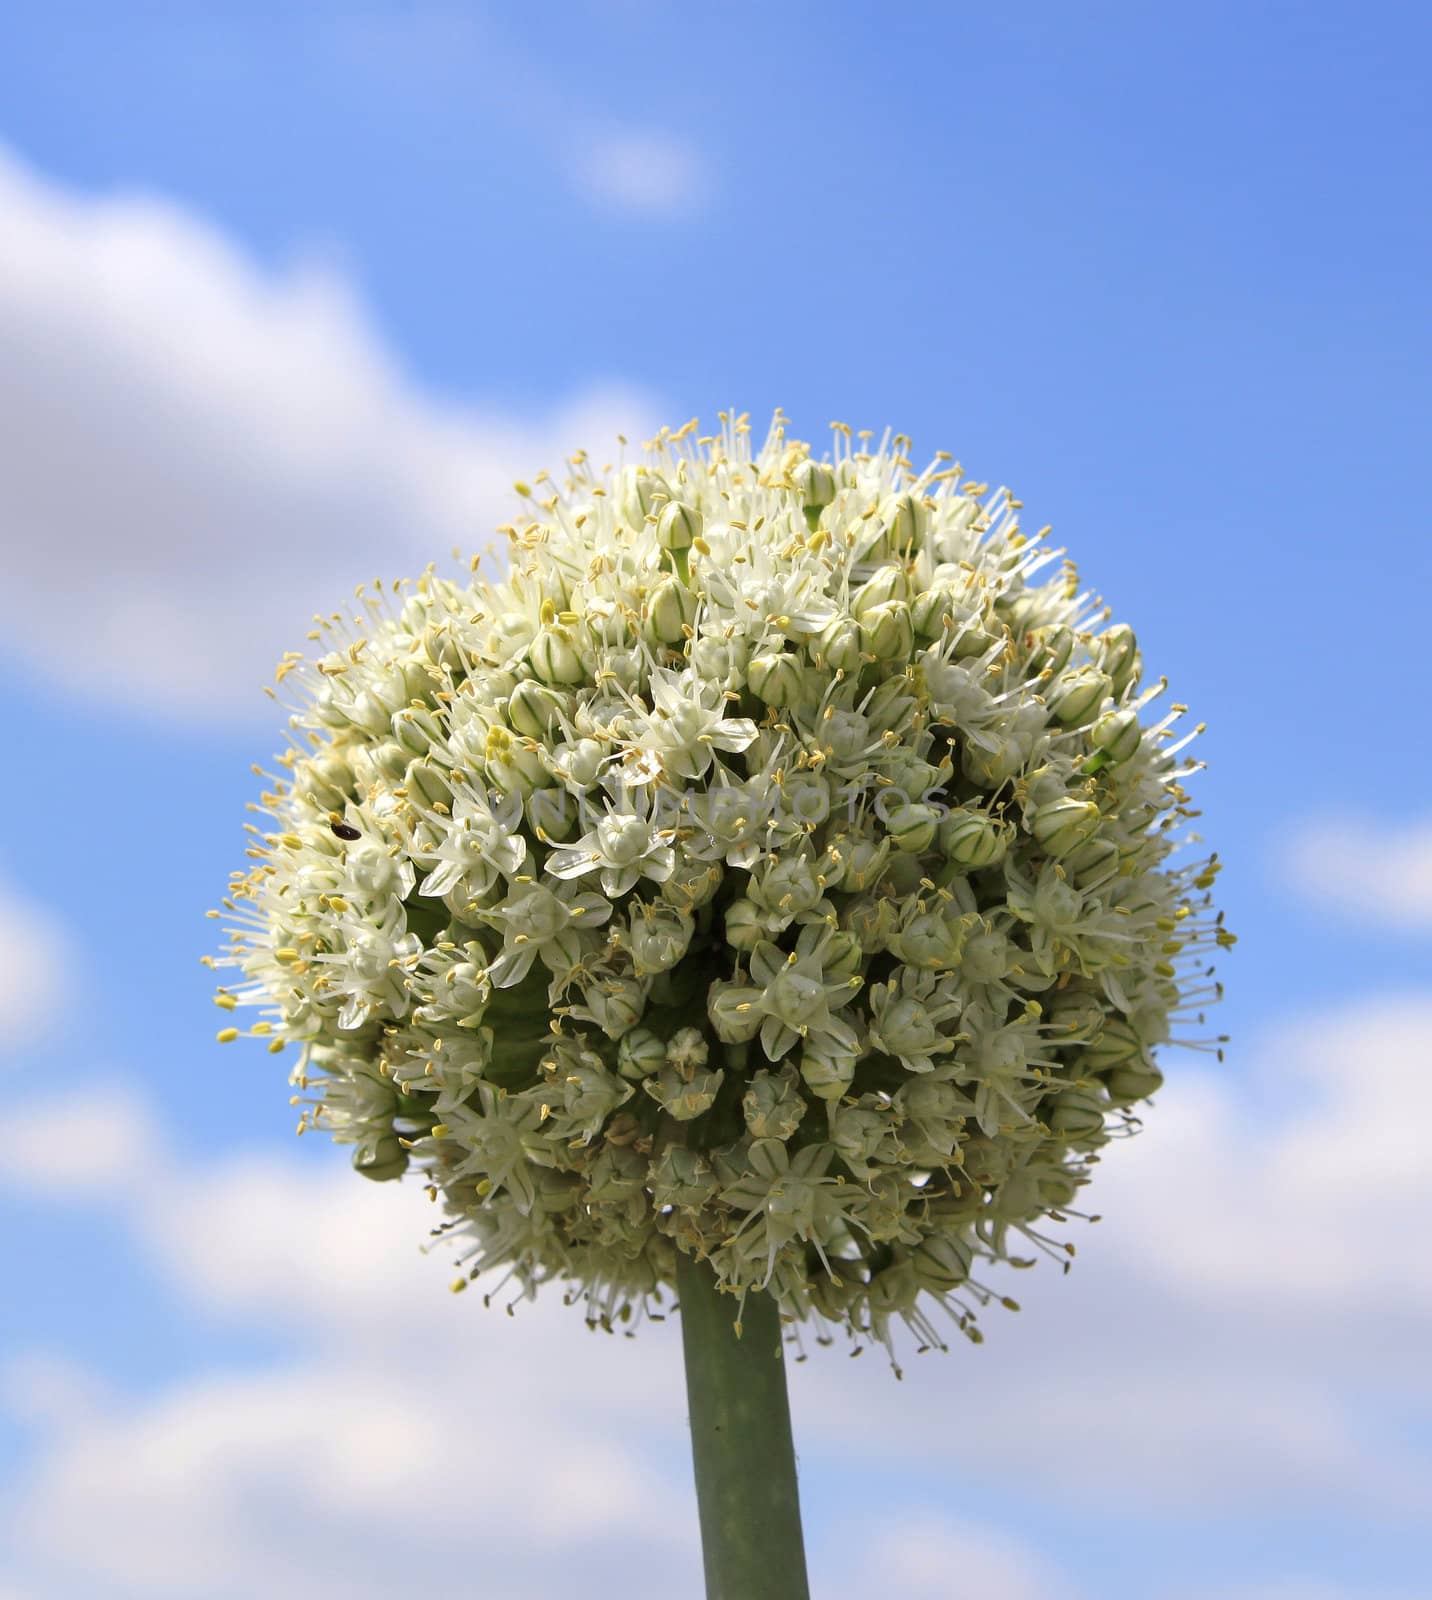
<point x="741" y="1441"/>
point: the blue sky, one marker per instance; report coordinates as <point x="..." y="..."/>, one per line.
<point x="290" y="294"/>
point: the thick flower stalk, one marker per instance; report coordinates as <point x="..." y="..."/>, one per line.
<point x="770" y="867"/>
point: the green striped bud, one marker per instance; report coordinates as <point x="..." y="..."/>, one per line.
<point x="1063" y="825"/>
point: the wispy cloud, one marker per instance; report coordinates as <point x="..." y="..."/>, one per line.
<point x="196" y="456"/>
<point x="33" y="952"/>
<point x="1199" y="1354"/>
<point x="649" y="172"/>
<point x="1377" y="872"/>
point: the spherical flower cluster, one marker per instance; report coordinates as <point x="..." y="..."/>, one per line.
<point x="771" y="864"/>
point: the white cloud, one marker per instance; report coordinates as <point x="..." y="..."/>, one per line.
<point x="930" y="1557"/>
<point x="1246" y="1332"/>
<point x="195" y="456"/>
<point x="640" y="172"/>
<point x="32" y="960"/>
<point x="1380" y="872"/>
<point x="84" y="1145"/>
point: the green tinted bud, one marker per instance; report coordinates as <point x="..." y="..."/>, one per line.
<point x="552" y="814"/>
<point x="616" y="1005"/>
<point x="671" y="611"/>
<point x="1057" y="1187"/>
<point x="390" y="759"/>
<point x="1118" y="651"/>
<point x="1074" y="1019"/>
<point x="912" y="828"/>
<point x="973" y="840"/>
<point x="658" y="938"/>
<point x="1050" y="648"/>
<point x="533" y="709"/>
<point x="941" y="1263"/>
<point x="640" y="1054"/>
<point x="859" y="861"/>
<point x="827" y="1074"/>
<point x="1078" y="695"/>
<point x="555" y="659"/>
<point x="1093" y="862"/>
<point x="775" y="677"/>
<point x="771" y="1106"/>
<point x="932" y="611"/>
<point x="426" y="782"/>
<point x="841" y="956"/>
<point x="733" y="1012"/>
<point x="886" y="631"/>
<point x="617" y="1174"/>
<point x="1136" y="1080"/>
<point x="693" y="884"/>
<point x="906" y="518"/>
<point x="1115" y="1045"/>
<point x="677" y="525"/>
<point x="840" y="645"/>
<point x="639" y="490"/>
<point x="719" y="659"/>
<point x="1076" y="1112"/>
<point x="681" y="1178"/>
<point x="684" y="1095"/>
<point x="418" y="731"/>
<point x="890" y="583"/>
<point x="382" y="1160"/>
<point x="1117" y="734"/>
<point x="873" y="921"/>
<point x="815" y="483"/>
<point x="328" y="778"/>
<point x="745" y="924"/>
<point x="1063" y="825"/>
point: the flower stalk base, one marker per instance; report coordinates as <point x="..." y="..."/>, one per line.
<point x="741" y="1441"/>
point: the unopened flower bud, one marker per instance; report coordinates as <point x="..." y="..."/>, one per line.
<point x="677" y="525"/>
<point x="640" y="1054"/>
<point x="775" y="677"/>
<point x="912" y="828"/>
<point x="1118" y="650"/>
<point x="382" y="1160"/>
<point x="1063" y="825"/>
<point x="827" y="1073"/>
<point x="533" y="709"/>
<point x="771" y="1106"/>
<point x="886" y="631"/>
<point x="1078" y="1113"/>
<point x="1051" y="648"/>
<point x="1115" y="1044"/>
<point x="555" y="659"/>
<point x="671" y="610"/>
<point x="684" y="1095"/>
<point x="733" y="1012"/>
<point x="426" y="783"/>
<point x="973" y="840"/>
<point x="418" y="731"/>
<point x="905" y="517"/>
<point x="1136" y="1080"/>
<point x="639" y="491"/>
<point x="1078" y="695"/>
<point x="815" y="483"/>
<point x="840" y="645"/>
<point x="681" y="1178"/>
<point x="1117" y="734"/>
<point x="746" y="924"/>
<point x="889" y="583"/>
<point x="860" y="861"/>
<point x="942" y="1262"/>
